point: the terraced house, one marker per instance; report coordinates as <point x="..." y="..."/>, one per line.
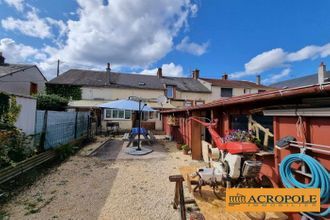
<point x="98" y="87"/>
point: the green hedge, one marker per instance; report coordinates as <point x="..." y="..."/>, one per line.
<point x="51" y="102"/>
<point x="67" y="91"/>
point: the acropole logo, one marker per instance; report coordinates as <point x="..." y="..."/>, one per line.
<point x="275" y="199"/>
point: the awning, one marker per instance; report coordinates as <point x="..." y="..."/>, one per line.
<point x="156" y="105"/>
<point x="126" y="104"/>
<point x="86" y="103"/>
<point x="96" y="103"/>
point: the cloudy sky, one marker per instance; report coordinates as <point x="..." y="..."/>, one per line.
<point x="276" y="39"/>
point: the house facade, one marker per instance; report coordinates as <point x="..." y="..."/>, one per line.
<point x="102" y="86"/>
<point x="20" y="79"/>
<point x="225" y="88"/>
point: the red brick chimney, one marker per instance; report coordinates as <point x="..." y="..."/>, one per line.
<point x="160" y="72"/>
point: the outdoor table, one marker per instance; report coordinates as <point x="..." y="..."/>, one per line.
<point x="134" y="132"/>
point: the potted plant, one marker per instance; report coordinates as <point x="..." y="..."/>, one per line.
<point x="179" y="145"/>
<point x="185" y="149"/>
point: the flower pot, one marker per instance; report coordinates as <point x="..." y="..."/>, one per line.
<point x="186" y="151"/>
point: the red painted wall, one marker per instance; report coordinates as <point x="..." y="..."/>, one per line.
<point x="317" y="131"/>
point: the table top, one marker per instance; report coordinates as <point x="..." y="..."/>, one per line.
<point x="136" y="131"/>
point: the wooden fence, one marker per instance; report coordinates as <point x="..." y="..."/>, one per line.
<point x="25" y="165"/>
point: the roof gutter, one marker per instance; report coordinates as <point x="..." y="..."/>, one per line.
<point x="268" y="95"/>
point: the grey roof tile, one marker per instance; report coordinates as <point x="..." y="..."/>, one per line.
<point x="234" y="83"/>
<point x="125" y="80"/>
<point x="298" y="82"/>
<point x="12" y="68"/>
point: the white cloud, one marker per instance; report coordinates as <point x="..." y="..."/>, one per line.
<point x="191" y="47"/>
<point x="18" y="53"/>
<point x="33" y="25"/>
<point x="277" y="58"/>
<point x="168" y="70"/>
<point x="277" y="77"/>
<point x="194" y="10"/>
<point x="125" y="33"/>
<point x="18" y="4"/>
<point x="129" y="34"/>
<point x="310" y="52"/>
<point x="265" y="61"/>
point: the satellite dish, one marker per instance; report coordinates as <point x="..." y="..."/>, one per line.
<point x="162" y="100"/>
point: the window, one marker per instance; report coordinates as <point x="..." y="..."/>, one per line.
<point x="151" y="115"/>
<point x="117" y="114"/>
<point x="226" y="92"/>
<point x="33" y="88"/>
<point x="114" y="113"/>
<point x="108" y="113"/>
<point x="261" y="90"/>
<point x="145" y="116"/>
<point x="169" y="92"/>
<point x="127" y="114"/>
<point x="188" y="103"/>
<point x="247" y="91"/>
<point x="199" y="102"/>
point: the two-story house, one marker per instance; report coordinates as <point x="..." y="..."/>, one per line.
<point x="225" y="88"/>
<point x="101" y="86"/>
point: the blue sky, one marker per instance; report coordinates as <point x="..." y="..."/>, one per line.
<point x="277" y="39"/>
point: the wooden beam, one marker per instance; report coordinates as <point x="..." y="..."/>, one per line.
<point x="196" y="138"/>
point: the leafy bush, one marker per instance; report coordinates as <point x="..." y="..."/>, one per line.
<point x="185" y="147"/>
<point x="15" y="146"/>
<point x="9" y="110"/>
<point x="65" y="151"/>
<point x="51" y="102"/>
<point x="66" y="91"/>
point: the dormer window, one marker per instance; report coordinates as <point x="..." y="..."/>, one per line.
<point x="169" y="91"/>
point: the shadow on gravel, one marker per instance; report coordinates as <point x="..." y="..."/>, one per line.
<point x="110" y="150"/>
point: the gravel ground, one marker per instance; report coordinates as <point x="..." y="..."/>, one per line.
<point x="106" y="188"/>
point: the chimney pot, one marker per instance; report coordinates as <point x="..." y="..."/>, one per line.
<point x="108" y="69"/>
<point x="159" y="73"/>
<point x="258" y="80"/>
<point x="195" y="74"/>
<point x="2" y="59"/>
<point x="225" y="76"/>
<point x="321" y="73"/>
